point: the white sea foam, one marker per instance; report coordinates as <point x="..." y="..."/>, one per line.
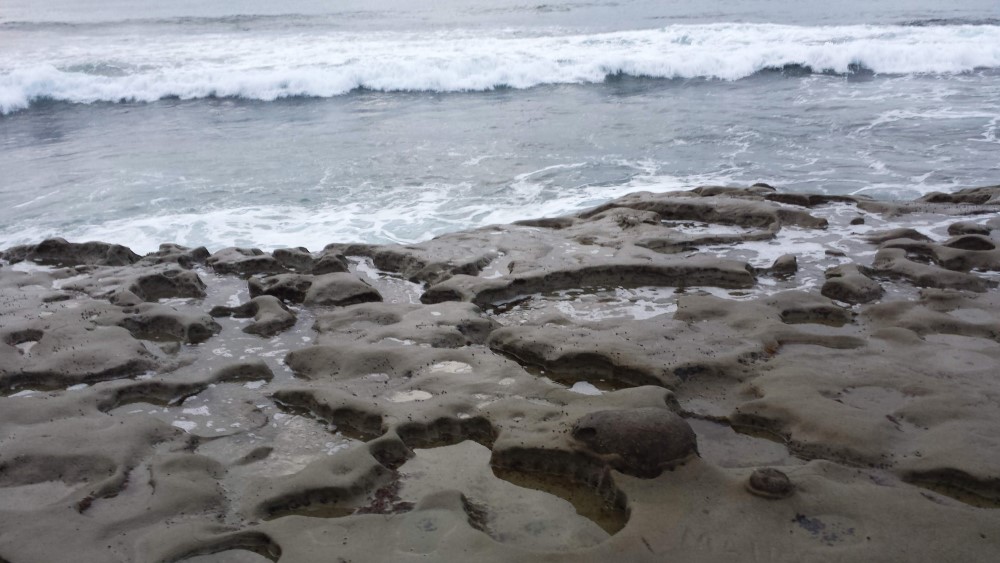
<point x="112" y="68"/>
<point x="400" y="216"/>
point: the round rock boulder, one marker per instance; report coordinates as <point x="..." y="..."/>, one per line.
<point x="638" y="442"/>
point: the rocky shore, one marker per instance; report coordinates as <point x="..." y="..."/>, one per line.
<point x="725" y="374"/>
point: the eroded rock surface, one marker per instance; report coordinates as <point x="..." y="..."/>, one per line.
<point x="714" y="375"/>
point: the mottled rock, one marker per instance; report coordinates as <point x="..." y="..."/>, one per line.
<point x="253" y="370"/>
<point x="125" y="298"/>
<point x="986" y="195"/>
<point x="848" y="283"/>
<point x="970" y="242"/>
<point x="157" y="322"/>
<point x="270" y="315"/>
<point x="176" y="254"/>
<point x="329" y="262"/>
<point x="807" y="200"/>
<point x="800" y="307"/>
<point x="244" y="262"/>
<point x="445" y="325"/>
<point x="447" y="429"/>
<point x="968" y="228"/>
<point x="770" y="483"/>
<point x="68" y="355"/>
<point x="340" y="289"/>
<point x="59" y="252"/>
<point x="895" y="262"/>
<point x="961" y="253"/>
<point x="618" y="273"/>
<point x="288" y="287"/>
<point x="640" y="442"/>
<point x="879" y="237"/>
<point x="785" y="265"/>
<point x="167" y="284"/>
<point x="712" y="209"/>
<point x="296" y="259"/>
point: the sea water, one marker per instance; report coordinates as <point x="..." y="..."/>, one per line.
<point x="302" y="122"/>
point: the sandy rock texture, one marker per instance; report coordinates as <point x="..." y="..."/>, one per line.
<point x="724" y="374"/>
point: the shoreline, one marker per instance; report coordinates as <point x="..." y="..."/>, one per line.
<point x="616" y="382"/>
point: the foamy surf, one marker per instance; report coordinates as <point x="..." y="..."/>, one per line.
<point x="103" y="68"/>
<point x="397" y="216"/>
<point x="403" y="216"/>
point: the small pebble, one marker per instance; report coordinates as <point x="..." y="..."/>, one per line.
<point x="770" y="483"/>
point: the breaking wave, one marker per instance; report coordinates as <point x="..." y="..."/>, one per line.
<point x="103" y="68"/>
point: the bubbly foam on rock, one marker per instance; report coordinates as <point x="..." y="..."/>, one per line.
<point x="585" y="388"/>
<point x="408" y="396"/>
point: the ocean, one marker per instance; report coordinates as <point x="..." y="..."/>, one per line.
<point x="303" y="122"/>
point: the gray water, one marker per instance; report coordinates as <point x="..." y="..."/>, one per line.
<point x="291" y="124"/>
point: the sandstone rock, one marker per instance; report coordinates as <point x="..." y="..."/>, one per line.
<point x="340" y="289"/>
<point x="987" y="195"/>
<point x="125" y="298"/>
<point x="640" y="442"/>
<point x="849" y="284"/>
<point x="770" y="483"/>
<point x="894" y="261"/>
<point x="157" y="322"/>
<point x="899" y="233"/>
<point x="73" y="354"/>
<point x="674" y="273"/>
<point x="270" y="315"/>
<point x="439" y="430"/>
<point x="329" y="262"/>
<point x="288" y="287"/>
<point x="971" y="242"/>
<point x="295" y="259"/>
<point x="785" y="265"/>
<point x="712" y="209"/>
<point x="59" y="252"/>
<point x="167" y="284"/>
<point x="807" y="200"/>
<point x="244" y="262"/>
<point x="174" y="253"/>
<point x="968" y="228"/>
<point x="961" y="253"/>
<point x="446" y="325"/>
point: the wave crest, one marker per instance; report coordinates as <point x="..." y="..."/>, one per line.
<point x="113" y="69"/>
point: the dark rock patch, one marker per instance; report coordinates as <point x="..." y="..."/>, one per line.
<point x="968" y="228"/>
<point x="850" y="284"/>
<point x="244" y="262"/>
<point x="270" y="315"/>
<point x="59" y="252"/>
<point x="167" y="284"/>
<point x="770" y="483"/>
<point x="640" y="442"/>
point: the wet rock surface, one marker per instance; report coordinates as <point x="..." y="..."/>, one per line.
<point x="608" y="385"/>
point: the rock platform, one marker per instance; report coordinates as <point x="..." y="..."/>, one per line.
<point x="724" y="374"/>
